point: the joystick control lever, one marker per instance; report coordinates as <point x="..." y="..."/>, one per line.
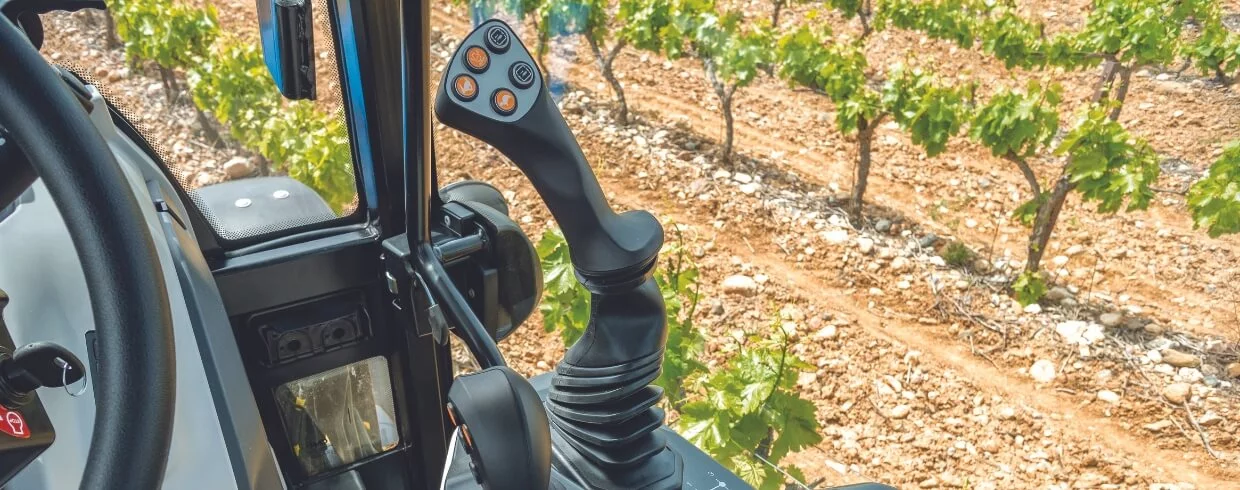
<point x="492" y="90"/>
<point x="601" y="406"/>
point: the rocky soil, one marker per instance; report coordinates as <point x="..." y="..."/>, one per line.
<point x="928" y="374"/>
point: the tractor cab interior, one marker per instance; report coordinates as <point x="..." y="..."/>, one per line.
<point x="258" y="334"/>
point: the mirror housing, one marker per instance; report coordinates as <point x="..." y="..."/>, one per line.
<point x="287" y="30"/>
<point x="509" y="250"/>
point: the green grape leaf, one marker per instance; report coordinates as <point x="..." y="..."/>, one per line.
<point x="1029" y="287"/>
<point x="704" y="426"/>
<point x="796" y="420"/>
<point x="931" y="113"/>
<point x="1108" y="165"/>
<point x="1215" y="200"/>
<point x="1017" y="124"/>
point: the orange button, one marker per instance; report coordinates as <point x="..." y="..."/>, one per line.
<point x="469" y="439"/>
<point x="452" y="414"/>
<point x="477" y="59"/>
<point x="504" y="101"/>
<point x="465" y="87"/>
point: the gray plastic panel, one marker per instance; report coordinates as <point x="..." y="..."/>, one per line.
<point x="496" y="75"/>
<point x="40" y="270"/>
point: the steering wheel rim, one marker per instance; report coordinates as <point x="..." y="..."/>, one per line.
<point x="134" y="405"/>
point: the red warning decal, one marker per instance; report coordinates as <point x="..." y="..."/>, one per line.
<point x="13" y="424"/>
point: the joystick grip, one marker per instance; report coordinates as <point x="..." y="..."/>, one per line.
<point x="491" y="91"/>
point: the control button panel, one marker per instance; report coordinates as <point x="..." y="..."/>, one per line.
<point x="493" y="62"/>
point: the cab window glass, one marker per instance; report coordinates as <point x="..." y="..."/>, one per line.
<point x="191" y="76"/>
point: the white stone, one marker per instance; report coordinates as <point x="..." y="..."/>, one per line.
<point x="899" y="264"/>
<point x="865" y="245"/>
<point x="1033" y="308"/>
<point x="238" y="167"/>
<point x="1189" y="375"/>
<point x="1177" y="393"/>
<point x="1060" y="260"/>
<point x="1109" y="397"/>
<point x="739" y="284"/>
<point x="1110" y="320"/>
<point x="1157" y="426"/>
<point x="1079" y="332"/>
<point x="900" y="411"/>
<point x="836" y="237"/>
<point x="1208" y="419"/>
<point x="1042" y="371"/>
<point x="826" y="333"/>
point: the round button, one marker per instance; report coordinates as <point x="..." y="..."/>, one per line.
<point x="477" y="59"/>
<point x="504" y="102"/>
<point x="521" y="74"/>
<point x="465" y="87"/>
<point x="498" y="39"/>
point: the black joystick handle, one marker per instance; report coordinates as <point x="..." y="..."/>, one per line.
<point x="492" y="90"/>
<point x="601" y="406"/>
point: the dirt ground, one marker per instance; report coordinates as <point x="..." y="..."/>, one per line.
<point x="927" y="375"/>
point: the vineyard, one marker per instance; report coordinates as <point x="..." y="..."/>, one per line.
<point x="935" y="243"/>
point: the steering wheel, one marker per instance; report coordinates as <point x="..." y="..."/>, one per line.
<point x="134" y="406"/>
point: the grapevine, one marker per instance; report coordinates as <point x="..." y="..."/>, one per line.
<point x="929" y="111"/>
<point x="172" y="35"/>
<point x="590" y="19"/>
<point x="229" y="80"/>
<point x="749" y="412"/>
<point x="731" y="53"/>
<point x="1017" y="126"/>
<point x="1105" y="164"/>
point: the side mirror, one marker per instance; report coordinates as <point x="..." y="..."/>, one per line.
<point x="288" y="45"/>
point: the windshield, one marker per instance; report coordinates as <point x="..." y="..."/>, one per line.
<point x="948" y="244"/>
<point x="191" y="78"/>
